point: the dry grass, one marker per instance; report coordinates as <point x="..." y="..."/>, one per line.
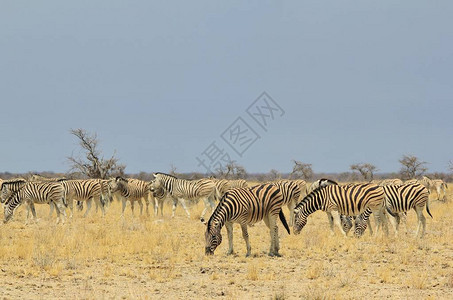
<point x="153" y="258"/>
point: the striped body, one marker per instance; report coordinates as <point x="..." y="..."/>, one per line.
<point x="402" y="198"/>
<point x="85" y="190"/>
<point x="348" y="200"/>
<point x="246" y="206"/>
<point x="291" y="194"/>
<point x="181" y="190"/>
<point x="10" y="186"/>
<point x="132" y="190"/>
<point x="36" y="192"/>
<point x="224" y="185"/>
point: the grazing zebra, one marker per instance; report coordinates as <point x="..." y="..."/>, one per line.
<point x="246" y="206"/>
<point x="36" y="192"/>
<point x="9" y="186"/>
<point x="395" y="181"/>
<point x="345" y="221"/>
<point x="411" y="181"/>
<point x="291" y="194"/>
<point x="132" y="190"/>
<point x="349" y="200"/>
<point x="402" y="198"/>
<point x="82" y="190"/>
<point x="181" y="190"/>
<point x="36" y="177"/>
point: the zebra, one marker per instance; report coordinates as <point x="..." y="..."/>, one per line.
<point x="402" y="198"/>
<point x="36" y="192"/>
<point x="13" y="185"/>
<point x="82" y="190"/>
<point x="181" y="190"/>
<point x="349" y="200"/>
<point x="291" y="195"/>
<point x="106" y="196"/>
<point x="133" y="190"/>
<point x="439" y="186"/>
<point x="346" y="222"/>
<point x="246" y="206"/>
<point x="395" y="181"/>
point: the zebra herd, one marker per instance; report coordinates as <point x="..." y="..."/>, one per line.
<point x="346" y="206"/>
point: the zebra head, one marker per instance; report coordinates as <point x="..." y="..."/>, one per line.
<point x="213" y="237"/>
<point x="359" y="226"/>
<point x="346" y="223"/>
<point x="117" y="183"/>
<point x="300" y="220"/>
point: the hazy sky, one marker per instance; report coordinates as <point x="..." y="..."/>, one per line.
<point x="356" y="81"/>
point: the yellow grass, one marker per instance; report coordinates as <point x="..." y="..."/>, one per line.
<point x="157" y="258"/>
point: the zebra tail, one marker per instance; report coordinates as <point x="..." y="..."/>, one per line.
<point x="427" y="208"/>
<point x="283" y="219"/>
<point x="390" y="212"/>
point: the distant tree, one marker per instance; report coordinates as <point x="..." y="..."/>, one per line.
<point x="412" y="167"/>
<point x="93" y="165"/>
<point x="365" y="169"/>
<point x="451" y="166"/>
<point x="274" y="175"/>
<point x="232" y="170"/>
<point x="173" y="170"/>
<point x="301" y="170"/>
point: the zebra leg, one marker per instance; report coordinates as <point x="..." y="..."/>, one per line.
<point x="33" y="211"/>
<point x="291" y="206"/>
<point x="183" y="204"/>
<point x="206" y="205"/>
<point x="369" y="224"/>
<point x="60" y="208"/>
<point x="271" y="223"/>
<point x="141" y="206"/>
<point x="147" y="204"/>
<point x="245" y="235"/>
<point x="161" y="208"/>
<point x="175" y="203"/>
<point x="395" y="222"/>
<point x="88" y="207"/>
<point x="336" y="219"/>
<point x="123" y="207"/>
<point x="331" y="223"/>
<point x="421" y="221"/>
<point x="156" y="206"/>
<point x="101" y="204"/>
<point x="51" y="205"/>
<point x="132" y="206"/>
<point x="229" y="228"/>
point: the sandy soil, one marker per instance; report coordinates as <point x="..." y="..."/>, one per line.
<point x="163" y="258"/>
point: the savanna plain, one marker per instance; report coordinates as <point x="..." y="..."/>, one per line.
<point x="148" y="257"/>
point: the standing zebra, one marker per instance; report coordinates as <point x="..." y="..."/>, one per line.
<point x="132" y="190"/>
<point x="181" y="190"/>
<point x="36" y="192"/>
<point x="402" y="198"/>
<point x="349" y="200"/>
<point x="291" y="194"/>
<point x="246" y="206"/>
<point x="440" y="187"/>
<point x="82" y="190"/>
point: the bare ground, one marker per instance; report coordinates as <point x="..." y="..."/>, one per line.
<point x="157" y="258"/>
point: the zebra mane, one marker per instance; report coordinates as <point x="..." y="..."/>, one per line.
<point x="15" y="180"/>
<point x="160" y="173"/>
<point x="328" y="181"/>
<point x="216" y="210"/>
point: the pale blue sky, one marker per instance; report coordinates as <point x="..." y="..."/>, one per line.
<point x="359" y="81"/>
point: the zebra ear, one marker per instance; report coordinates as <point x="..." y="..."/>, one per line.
<point x="154" y="175"/>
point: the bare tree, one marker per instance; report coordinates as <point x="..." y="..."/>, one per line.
<point x="412" y="167"/>
<point x="302" y="170"/>
<point x="365" y="169"/>
<point x="93" y="165"/>
<point x="451" y="165"/>
<point x="274" y="175"/>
